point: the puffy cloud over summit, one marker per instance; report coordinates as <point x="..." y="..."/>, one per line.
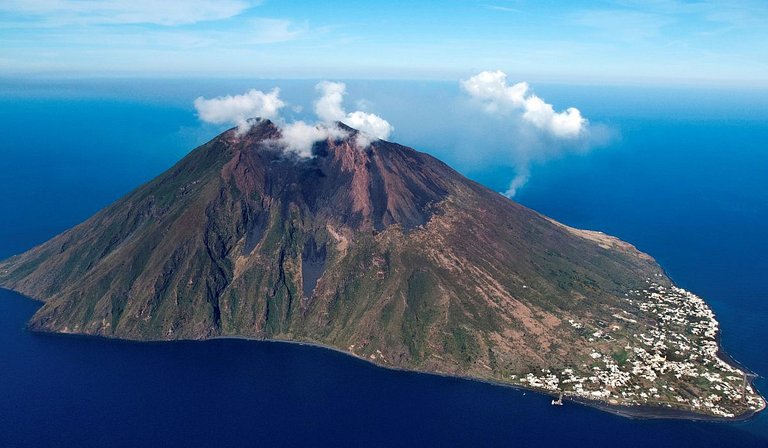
<point x="298" y="137"/>
<point x="329" y="109"/>
<point x="497" y="96"/>
<point x="372" y="127"/>
<point x="238" y="109"/>
<point x="520" y="129"/>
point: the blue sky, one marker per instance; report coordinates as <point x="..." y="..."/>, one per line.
<point x="622" y="41"/>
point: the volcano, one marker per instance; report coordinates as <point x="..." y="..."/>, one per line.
<point x="390" y="255"/>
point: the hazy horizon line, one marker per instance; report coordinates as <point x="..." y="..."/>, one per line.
<point x="454" y="77"/>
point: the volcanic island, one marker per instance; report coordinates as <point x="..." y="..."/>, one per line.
<point x="389" y="255"/>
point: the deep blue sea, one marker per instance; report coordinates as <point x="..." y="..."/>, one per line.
<point x="683" y="175"/>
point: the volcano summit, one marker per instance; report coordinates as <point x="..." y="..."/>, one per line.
<point x="390" y="255"/>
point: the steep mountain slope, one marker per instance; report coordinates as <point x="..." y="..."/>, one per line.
<point x="382" y="251"/>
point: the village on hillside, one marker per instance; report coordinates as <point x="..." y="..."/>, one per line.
<point x="672" y="364"/>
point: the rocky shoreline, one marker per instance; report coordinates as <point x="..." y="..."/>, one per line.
<point x="627" y="411"/>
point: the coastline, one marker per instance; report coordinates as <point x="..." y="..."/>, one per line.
<point x="640" y="412"/>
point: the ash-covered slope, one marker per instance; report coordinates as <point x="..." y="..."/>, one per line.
<point x="383" y="251"/>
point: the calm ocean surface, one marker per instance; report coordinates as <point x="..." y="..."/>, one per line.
<point x="684" y="176"/>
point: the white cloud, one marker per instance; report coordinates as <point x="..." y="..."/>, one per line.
<point x="238" y="109"/>
<point x="497" y="96"/>
<point x="372" y="127"/>
<point x="503" y="8"/>
<point x="492" y="88"/>
<point x="296" y="137"/>
<point x="529" y="129"/>
<point x="262" y="31"/>
<point x="329" y="109"/>
<point x="621" y="24"/>
<point x="568" y="124"/>
<point x="111" y="12"/>
<point x="299" y="137"/>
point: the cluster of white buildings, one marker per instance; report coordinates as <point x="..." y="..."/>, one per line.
<point x="669" y="358"/>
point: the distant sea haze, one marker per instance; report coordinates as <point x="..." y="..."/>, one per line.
<point x="681" y="176"/>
